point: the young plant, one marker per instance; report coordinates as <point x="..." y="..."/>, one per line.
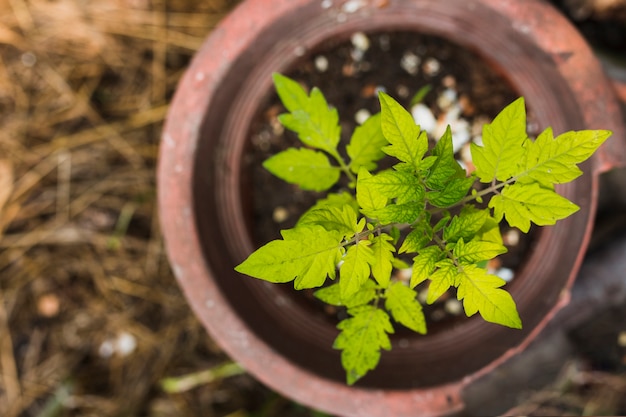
<point x="426" y="207"/>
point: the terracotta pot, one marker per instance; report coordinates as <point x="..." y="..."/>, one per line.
<point x="202" y="205"/>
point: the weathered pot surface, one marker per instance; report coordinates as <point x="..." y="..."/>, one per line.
<point x="202" y="211"/>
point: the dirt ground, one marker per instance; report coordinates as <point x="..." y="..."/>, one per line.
<point x="92" y="322"/>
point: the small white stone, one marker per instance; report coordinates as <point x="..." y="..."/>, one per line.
<point x="410" y="63"/>
<point x="361" y="116"/>
<point x="447" y="99"/>
<point x="621" y="339"/>
<point x="453" y="306"/>
<point x="321" y="63"/>
<point x="511" y="237"/>
<point x="460" y="135"/>
<point x="280" y="214"/>
<point x="360" y="41"/>
<point x="506" y="274"/>
<point x="431" y="67"/>
<point x="327" y="4"/>
<point x="424" y="117"/>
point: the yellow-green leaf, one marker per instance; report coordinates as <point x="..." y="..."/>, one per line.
<point x="309" y="169"/>
<point x="361" y="339"/>
<point x="401" y="301"/>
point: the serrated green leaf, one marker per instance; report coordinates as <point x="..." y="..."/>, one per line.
<point x="480" y="292"/>
<point x="397" y="213"/>
<point x="355" y="270"/>
<point x="419" y="237"/>
<point x="343" y="220"/>
<point x="316" y="124"/>
<point x="523" y="203"/>
<point x="502" y="144"/>
<point x="424" y="264"/>
<point x="452" y="193"/>
<point x="367" y="196"/>
<point x="441" y="280"/>
<point x="383" y="258"/>
<point x="441" y="223"/>
<point x="490" y="232"/>
<point x="361" y="339"/>
<point x="401" y="301"/>
<point x="445" y="166"/>
<point x="408" y="144"/>
<point x="365" y="147"/>
<point x="404" y="186"/>
<point x="290" y="92"/>
<point x="308" y="254"/>
<point x="332" y="295"/>
<point x="466" y="224"/>
<point x="338" y="200"/>
<point x="475" y="251"/>
<point x="553" y="161"/>
<point x="309" y="169"/>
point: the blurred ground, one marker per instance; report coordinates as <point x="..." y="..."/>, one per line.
<point x="91" y="318"/>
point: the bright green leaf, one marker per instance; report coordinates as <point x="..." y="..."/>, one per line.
<point x="382" y="264"/>
<point x="355" y="270"/>
<point x="475" y="251"/>
<point x="342" y="219"/>
<point x="402" y="303"/>
<point x="365" y="147"/>
<point x="480" y="292"/>
<point x="466" y="224"/>
<point x="316" y="124"/>
<point x="307" y="254"/>
<point x="419" y="237"/>
<point x="397" y="213"/>
<point x="309" y="169"/>
<point x="424" y="264"/>
<point x="553" y="161"/>
<point x="361" y="338"/>
<point x="332" y="295"/>
<point x="292" y="95"/>
<point x="502" y="144"/>
<point x="445" y="167"/>
<point x="452" y="193"/>
<point x="404" y="186"/>
<point x="441" y="280"/>
<point x="399" y="128"/>
<point x="367" y="196"/>
<point x="523" y="203"/>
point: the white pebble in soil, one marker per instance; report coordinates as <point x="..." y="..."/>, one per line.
<point x="361" y="116"/>
<point x="447" y="99"/>
<point x="511" y="237"/>
<point x="506" y="274"/>
<point x="424" y="117"/>
<point x="280" y="214"/>
<point x="321" y="63"/>
<point x="453" y="306"/>
<point x="410" y="63"/>
<point x="360" y="41"/>
<point x="431" y="67"/>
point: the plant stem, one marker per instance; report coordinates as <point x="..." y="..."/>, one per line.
<point x="344" y="167"/>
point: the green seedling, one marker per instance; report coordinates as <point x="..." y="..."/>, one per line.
<point x="426" y="208"/>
